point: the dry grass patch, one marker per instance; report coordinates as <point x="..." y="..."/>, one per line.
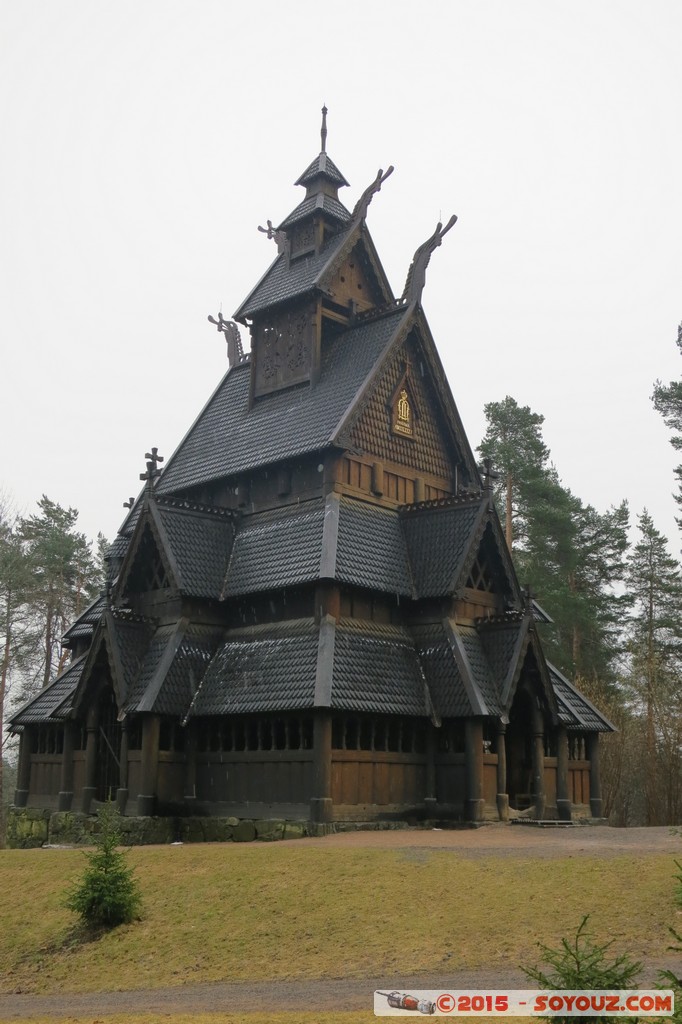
<point x="237" y="912"/>
<point x="212" y="1018"/>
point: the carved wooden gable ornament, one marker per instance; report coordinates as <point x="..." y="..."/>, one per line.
<point x="403" y="407"/>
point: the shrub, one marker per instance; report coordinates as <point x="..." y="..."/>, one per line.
<point x="678" y="887"/>
<point x="583" y="964"/>
<point x="107" y="894"/>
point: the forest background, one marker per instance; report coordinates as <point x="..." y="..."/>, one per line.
<point x="611" y="586"/>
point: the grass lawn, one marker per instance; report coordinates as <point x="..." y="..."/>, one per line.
<point x="275" y="911"/>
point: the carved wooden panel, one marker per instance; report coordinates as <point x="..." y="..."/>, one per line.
<point x="282" y="348"/>
<point x="352" y="283"/>
<point x="301" y="237"/>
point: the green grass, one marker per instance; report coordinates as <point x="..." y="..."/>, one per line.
<point x="238" y="912"/>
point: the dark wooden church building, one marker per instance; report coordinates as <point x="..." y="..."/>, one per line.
<point x="311" y="610"/>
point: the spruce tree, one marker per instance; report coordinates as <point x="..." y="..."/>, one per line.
<point x="108" y="894"/>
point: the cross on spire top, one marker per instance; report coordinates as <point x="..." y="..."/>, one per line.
<point x="153" y="460"/>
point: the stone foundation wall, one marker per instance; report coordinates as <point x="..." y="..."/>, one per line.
<point x="29" y="827"/>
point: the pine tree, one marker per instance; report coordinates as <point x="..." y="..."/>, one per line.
<point x="654" y="582"/>
<point x="571" y="555"/>
<point x="64" y="577"/>
<point x="667" y="399"/>
<point x="513" y="441"/>
<point x="18" y="638"/>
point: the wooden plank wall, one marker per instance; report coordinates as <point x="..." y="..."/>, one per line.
<point x="265" y="776"/>
<point x="378" y="778"/>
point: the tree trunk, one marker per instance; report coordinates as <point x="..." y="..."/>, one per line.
<point x="3" y="691"/>
<point x="508" y="512"/>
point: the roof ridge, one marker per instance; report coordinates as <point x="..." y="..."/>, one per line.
<point x="468" y="498"/>
<point x="185" y="505"/>
<point x="379" y="311"/>
<point x="127" y="615"/>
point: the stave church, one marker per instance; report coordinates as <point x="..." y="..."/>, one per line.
<point x="311" y="611"/>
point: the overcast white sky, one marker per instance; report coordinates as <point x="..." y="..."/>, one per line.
<point x="145" y="140"/>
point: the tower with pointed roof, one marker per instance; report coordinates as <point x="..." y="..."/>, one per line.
<point x="311" y="611"/>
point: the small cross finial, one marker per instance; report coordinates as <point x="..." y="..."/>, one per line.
<point x="153" y="460"/>
<point x="129" y="503"/>
<point x="528" y="596"/>
<point x="489" y="475"/>
<point x="323" y="130"/>
<point x="489" y="478"/>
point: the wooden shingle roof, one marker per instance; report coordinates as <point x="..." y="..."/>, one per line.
<point x="229" y="437"/>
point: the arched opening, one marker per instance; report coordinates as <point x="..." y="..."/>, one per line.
<point x="108" y="776"/>
<point x="520" y="751"/>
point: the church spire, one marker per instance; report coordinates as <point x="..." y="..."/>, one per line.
<point x="323" y="131"/>
<point x="322" y="175"/>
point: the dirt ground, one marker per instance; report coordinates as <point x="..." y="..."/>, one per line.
<point x="356" y="994"/>
<point x="520" y="840"/>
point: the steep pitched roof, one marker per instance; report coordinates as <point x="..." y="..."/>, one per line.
<point x="124" y="639"/>
<point x="449" y="693"/>
<point x="321" y="166"/>
<point x="54" y="702"/>
<point x="505" y="643"/>
<point x="440" y="536"/>
<point x="376" y="669"/>
<point x="229" y="437"/>
<point x="84" y="625"/>
<point x="576" y="712"/>
<point x="288" y="278"/>
<point x="297" y="665"/>
<point x="416" y="325"/>
<point x="173" y="667"/>
<point x="329" y="205"/>
<point x="344" y="539"/>
<point x="278" y="548"/>
<point x="199" y="543"/>
<point x="371" y="550"/>
<point x="261" y="668"/>
<point x="285" y="280"/>
<point x="193" y="542"/>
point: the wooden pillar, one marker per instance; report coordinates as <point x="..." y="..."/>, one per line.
<point x="473" y="736"/>
<point x="563" y="799"/>
<point x="149" y="767"/>
<point x="538" y="763"/>
<point x="24" y="768"/>
<point x="122" y="791"/>
<point x="191" y="764"/>
<point x="65" y="798"/>
<point x="90" y="787"/>
<point x="430" y="797"/>
<point x="502" y="795"/>
<point x="596" y="806"/>
<point x="321" y="801"/>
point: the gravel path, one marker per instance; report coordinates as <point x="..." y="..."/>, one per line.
<point x="520" y="840"/>
<point x="356" y="994"/>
